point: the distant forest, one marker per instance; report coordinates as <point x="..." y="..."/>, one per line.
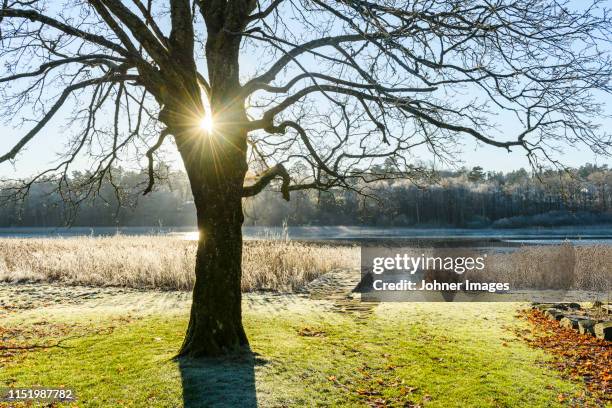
<point x="469" y="198"/>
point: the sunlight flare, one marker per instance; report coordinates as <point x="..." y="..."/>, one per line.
<point x="206" y="123"/>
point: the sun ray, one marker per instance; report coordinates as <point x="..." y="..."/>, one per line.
<point x="206" y="123"/>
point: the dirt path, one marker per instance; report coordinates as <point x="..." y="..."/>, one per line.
<point x="337" y="286"/>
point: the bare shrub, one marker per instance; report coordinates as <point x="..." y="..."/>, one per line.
<point x="162" y="262"/>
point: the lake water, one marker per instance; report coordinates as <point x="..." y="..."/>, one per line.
<point x="576" y="235"/>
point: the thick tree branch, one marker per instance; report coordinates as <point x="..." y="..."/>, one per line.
<point x="92" y="59"/>
<point x="290" y="55"/>
<point x="404" y="104"/>
<point x="265" y="179"/>
<point x="110" y="21"/>
<point x="265" y="12"/>
<point x="151" y="167"/>
<point x="181" y="35"/>
<point x="315" y="75"/>
<point x="65" y="28"/>
<point x="151" y="22"/>
<point x="139" y="30"/>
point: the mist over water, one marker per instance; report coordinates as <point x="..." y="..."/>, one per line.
<point x="512" y="237"/>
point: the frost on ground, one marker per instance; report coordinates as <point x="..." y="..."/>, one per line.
<point x="321" y="346"/>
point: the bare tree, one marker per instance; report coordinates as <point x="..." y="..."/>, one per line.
<point x="332" y="94"/>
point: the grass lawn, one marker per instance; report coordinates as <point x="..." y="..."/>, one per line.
<point x="304" y="354"/>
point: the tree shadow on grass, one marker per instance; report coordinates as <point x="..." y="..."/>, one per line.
<point x="220" y="382"/>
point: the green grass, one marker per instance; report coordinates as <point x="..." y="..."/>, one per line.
<point x="437" y="355"/>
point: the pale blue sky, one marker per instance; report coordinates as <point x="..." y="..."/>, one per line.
<point x="40" y="154"/>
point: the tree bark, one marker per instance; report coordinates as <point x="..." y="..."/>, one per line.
<point x="215" y="324"/>
<point x="216" y="165"/>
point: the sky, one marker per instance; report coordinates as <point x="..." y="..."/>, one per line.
<point x="43" y="152"/>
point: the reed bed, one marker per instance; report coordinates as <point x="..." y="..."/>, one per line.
<point x="159" y="262"/>
<point x="551" y="267"/>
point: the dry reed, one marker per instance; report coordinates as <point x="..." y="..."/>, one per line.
<point x="551" y="267"/>
<point x="281" y="265"/>
<point x="162" y="262"/>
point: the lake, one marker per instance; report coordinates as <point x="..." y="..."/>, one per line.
<point x="576" y="235"/>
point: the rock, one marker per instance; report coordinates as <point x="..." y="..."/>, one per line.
<point x="554" y="314"/>
<point x="603" y="330"/>
<point x="586" y="326"/>
<point x="574" y="306"/>
<point x="543" y="306"/>
<point x="567" y="306"/>
<point x="559" y="306"/>
<point x="365" y="284"/>
<point x="571" y="322"/>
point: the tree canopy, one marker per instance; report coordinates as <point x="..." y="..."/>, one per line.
<point x="330" y="88"/>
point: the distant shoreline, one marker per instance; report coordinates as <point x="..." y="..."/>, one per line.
<point x="488" y="237"/>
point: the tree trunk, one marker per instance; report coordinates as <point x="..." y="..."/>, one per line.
<point x="216" y="170"/>
<point x="215" y="324"/>
<point x="216" y="165"/>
